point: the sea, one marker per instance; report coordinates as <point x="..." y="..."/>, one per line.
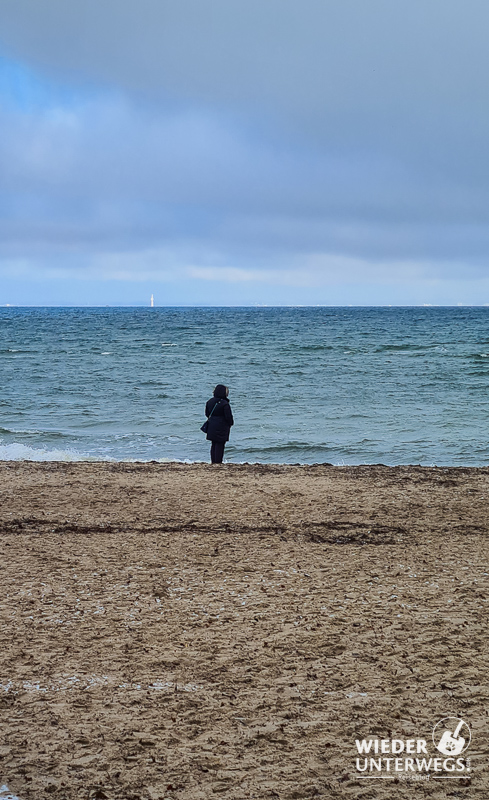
<point x="343" y="386"/>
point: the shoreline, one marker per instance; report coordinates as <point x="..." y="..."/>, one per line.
<point x="251" y="464"/>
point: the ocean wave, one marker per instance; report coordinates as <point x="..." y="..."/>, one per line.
<point x="22" y="452"/>
<point x="33" y="432"/>
<point x="286" y="447"/>
<point x="311" y="348"/>
<point x="399" y="348"/>
<point x="16" y="350"/>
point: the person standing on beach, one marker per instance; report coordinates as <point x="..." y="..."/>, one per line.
<point x="220" y="418"/>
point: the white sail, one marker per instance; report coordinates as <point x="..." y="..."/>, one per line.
<point x="152" y="301"/>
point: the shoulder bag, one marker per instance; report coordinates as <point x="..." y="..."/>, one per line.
<point x="205" y="426"/>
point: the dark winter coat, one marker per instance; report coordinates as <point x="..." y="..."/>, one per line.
<point x="221" y="420"/>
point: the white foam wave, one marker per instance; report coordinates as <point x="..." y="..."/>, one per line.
<point x="22" y="452"/>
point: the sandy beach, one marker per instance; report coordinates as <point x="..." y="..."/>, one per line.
<point x="189" y="631"/>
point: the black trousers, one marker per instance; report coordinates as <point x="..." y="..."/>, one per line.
<point x="217" y="452"/>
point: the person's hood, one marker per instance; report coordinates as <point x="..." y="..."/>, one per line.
<point x="220" y="391"/>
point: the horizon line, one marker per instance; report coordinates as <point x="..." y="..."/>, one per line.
<point x="253" y="305"/>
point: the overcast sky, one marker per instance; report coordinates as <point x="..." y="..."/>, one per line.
<point x="239" y="152"/>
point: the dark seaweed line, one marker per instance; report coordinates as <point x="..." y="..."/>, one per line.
<point x="318" y="532"/>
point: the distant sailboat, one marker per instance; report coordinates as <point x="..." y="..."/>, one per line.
<point x="152" y="301"/>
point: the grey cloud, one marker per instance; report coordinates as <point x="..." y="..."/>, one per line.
<point x="235" y="133"/>
<point x="105" y="171"/>
<point x="321" y="64"/>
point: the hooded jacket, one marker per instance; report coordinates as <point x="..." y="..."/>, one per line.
<point x="222" y="417"/>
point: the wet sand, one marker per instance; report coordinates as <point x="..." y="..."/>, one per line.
<point x="189" y="631"/>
